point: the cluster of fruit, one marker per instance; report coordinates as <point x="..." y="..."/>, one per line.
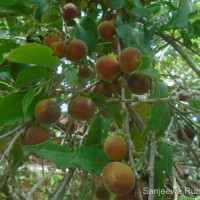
<point x="117" y="177"/>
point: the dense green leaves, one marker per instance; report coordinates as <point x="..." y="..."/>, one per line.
<point x="71" y="75"/>
<point x="134" y="34"/>
<point x="11" y="108"/>
<point x="163" y="165"/>
<point x="160" y="114"/>
<point x="30" y="74"/>
<point x="91" y="159"/>
<point x="86" y="30"/>
<point x="34" y="54"/>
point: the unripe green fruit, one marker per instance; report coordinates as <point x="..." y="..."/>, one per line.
<point x="34" y="135"/>
<point x="70" y="11"/>
<point x="129" y="59"/>
<point x="118" y="178"/>
<point x="81" y="108"/>
<point x="107" y="68"/>
<point x="138" y="83"/>
<point x="106" y="30"/>
<point x="116" y="148"/>
<point x="47" y="111"/>
<point x="76" y="50"/>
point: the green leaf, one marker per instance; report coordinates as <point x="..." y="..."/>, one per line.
<point x="150" y="72"/>
<point x="30" y="74"/>
<point x="195" y="103"/>
<point x="86" y="30"/>
<point x="41" y="8"/>
<point x="117" y="3"/>
<point x="59" y="155"/>
<point x="94" y="132"/>
<point x="180" y="18"/>
<point x="134" y="34"/>
<point x="163" y="165"/>
<point x="17" y="155"/>
<point x="11" y="108"/>
<point x="71" y="76"/>
<point x="183" y="197"/>
<point x="6" y="48"/>
<point x="91" y="159"/>
<point x="28" y="98"/>
<point x="160" y="113"/>
<point x="34" y="54"/>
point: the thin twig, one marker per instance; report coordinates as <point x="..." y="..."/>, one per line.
<point x="182" y="52"/>
<point x="10" y="145"/>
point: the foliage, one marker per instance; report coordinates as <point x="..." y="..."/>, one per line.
<point x="166" y="33"/>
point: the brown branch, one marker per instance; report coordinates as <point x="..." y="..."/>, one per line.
<point x="182" y="53"/>
<point x="60" y="192"/>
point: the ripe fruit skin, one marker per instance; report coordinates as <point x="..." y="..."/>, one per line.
<point x="101" y="193"/>
<point x="47" y="111"/>
<point x="76" y="50"/>
<point x="85" y="73"/>
<point x="59" y="49"/>
<point x="116" y="148"/>
<point x="51" y="38"/>
<point x="129" y="59"/>
<point x="138" y="83"/>
<point x="81" y="108"/>
<point x="106" y="30"/>
<point x="70" y="12"/>
<point x="133" y="195"/>
<point x="188" y="131"/>
<point x="118" y="178"/>
<point x="105" y="88"/>
<point x="107" y="68"/>
<point x="34" y="135"/>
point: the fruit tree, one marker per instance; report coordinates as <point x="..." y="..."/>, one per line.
<point x="99" y="99"/>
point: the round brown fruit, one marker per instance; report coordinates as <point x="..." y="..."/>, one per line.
<point x="81" y="108"/>
<point x="101" y="193"/>
<point x="118" y="178"/>
<point x="116" y="148"/>
<point x="129" y="59"/>
<point x="50" y="38"/>
<point x="105" y="88"/>
<point x="106" y="30"/>
<point x="190" y="133"/>
<point x="34" y="135"/>
<point x="133" y="195"/>
<point x="59" y="49"/>
<point x="107" y="68"/>
<point x="138" y="83"/>
<point x="70" y="11"/>
<point x="76" y="50"/>
<point x="47" y="111"/>
<point x="85" y="73"/>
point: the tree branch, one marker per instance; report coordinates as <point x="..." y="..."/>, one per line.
<point x="60" y="192"/>
<point x="184" y="55"/>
